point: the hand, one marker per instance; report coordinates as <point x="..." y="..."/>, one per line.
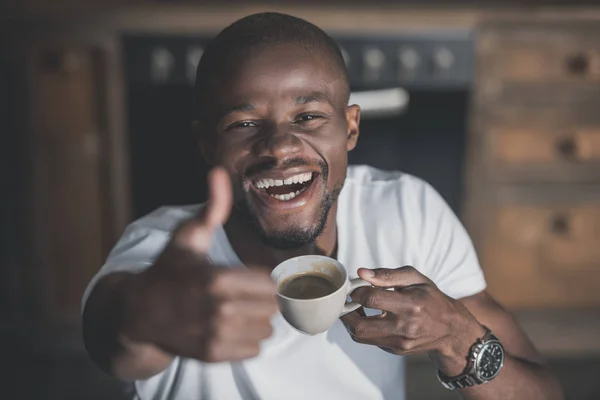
<point x="417" y="317"/>
<point x="189" y="307"/>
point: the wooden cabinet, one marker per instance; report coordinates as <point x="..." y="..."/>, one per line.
<point x="558" y="54"/>
<point x="540" y="255"/>
<point x="68" y="156"/>
<point x="76" y="203"/>
<point x="534" y="186"/>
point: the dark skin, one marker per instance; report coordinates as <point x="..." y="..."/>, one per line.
<point x="283" y="103"/>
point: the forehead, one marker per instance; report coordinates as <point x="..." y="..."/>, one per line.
<point x="279" y="72"/>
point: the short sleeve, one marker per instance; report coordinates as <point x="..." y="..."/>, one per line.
<point x="446" y="250"/>
<point x="141" y="243"/>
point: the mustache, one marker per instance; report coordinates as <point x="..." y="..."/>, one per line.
<point x="268" y="165"/>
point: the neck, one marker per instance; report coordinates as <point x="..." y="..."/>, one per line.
<point x="255" y="253"/>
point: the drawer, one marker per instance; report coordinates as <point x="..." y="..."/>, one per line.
<point x="541" y="54"/>
<point x="543" y="255"/>
<point x="544" y="153"/>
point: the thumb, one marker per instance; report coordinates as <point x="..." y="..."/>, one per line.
<point x="196" y="233"/>
<point x="220" y="198"/>
<point x="387" y="277"/>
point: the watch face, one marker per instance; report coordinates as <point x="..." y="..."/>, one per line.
<point x="490" y="361"/>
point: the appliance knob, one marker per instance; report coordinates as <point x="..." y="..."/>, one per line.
<point x="162" y="64"/>
<point x="374" y="61"/>
<point x="409" y="61"/>
<point x="443" y="59"/>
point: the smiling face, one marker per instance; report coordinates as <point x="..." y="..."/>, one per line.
<point x="282" y="128"/>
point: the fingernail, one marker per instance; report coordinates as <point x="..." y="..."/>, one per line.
<point x="367" y="273"/>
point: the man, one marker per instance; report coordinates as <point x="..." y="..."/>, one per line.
<point x="184" y="305"/>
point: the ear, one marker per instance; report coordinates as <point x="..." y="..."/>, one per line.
<point x="353" y="122"/>
<point x="205" y="141"/>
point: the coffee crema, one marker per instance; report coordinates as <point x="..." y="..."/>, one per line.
<point x="307" y="286"/>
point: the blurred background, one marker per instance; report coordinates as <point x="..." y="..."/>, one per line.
<point x="497" y="104"/>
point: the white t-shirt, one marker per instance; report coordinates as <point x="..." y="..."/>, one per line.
<point x="384" y="219"/>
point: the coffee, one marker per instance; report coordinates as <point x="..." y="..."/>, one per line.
<point x="307" y="286"/>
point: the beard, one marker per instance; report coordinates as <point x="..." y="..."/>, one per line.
<point x="292" y="237"/>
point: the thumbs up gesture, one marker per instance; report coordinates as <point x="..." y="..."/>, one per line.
<point x="188" y="307"/>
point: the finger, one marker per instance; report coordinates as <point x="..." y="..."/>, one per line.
<point x="247" y="331"/>
<point x="377" y="298"/>
<point x="196" y="233"/>
<point x="220" y="198"/>
<point x="392" y="344"/>
<point x="242" y="283"/>
<point x="221" y="351"/>
<point x="387" y="277"/>
<point x="363" y="328"/>
<point x="246" y="311"/>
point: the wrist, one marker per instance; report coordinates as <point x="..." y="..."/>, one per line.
<point x="452" y="355"/>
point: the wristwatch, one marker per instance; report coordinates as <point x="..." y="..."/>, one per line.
<point x="486" y="358"/>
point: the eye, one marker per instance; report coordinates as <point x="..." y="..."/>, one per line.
<point x="242" y="124"/>
<point x="307" y="118"/>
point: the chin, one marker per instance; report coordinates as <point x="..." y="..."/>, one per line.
<point x="290" y="231"/>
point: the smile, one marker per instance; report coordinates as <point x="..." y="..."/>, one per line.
<point x="285" y="189"/>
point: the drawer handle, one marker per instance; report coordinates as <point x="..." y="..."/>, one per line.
<point x="559" y="224"/>
<point x="567" y="147"/>
<point x="578" y="64"/>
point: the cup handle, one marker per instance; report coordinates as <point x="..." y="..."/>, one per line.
<point x="354" y="284"/>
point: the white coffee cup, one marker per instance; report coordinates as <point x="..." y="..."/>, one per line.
<point x="312" y="316"/>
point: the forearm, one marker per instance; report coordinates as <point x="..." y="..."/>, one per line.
<point x="103" y="337"/>
<point x="518" y="379"/>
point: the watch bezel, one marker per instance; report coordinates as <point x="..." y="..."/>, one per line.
<point x="484" y="348"/>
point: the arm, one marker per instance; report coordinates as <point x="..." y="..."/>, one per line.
<point x="133" y="324"/>
<point x="525" y="374"/>
<point x="419" y="318"/>
<point x="102" y="323"/>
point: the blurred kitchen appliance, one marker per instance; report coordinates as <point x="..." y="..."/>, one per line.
<point x="413" y="91"/>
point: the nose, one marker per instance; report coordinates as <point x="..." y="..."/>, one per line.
<point x="278" y="142"/>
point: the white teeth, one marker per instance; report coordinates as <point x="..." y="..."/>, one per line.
<point x="285" y="197"/>
<point x="267" y="183"/>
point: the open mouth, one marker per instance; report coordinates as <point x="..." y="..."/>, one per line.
<point x="286" y="189"/>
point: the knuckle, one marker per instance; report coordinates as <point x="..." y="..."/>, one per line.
<point x="268" y="331"/>
<point x="407" y="345"/>
<point x="264" y="330"/>
<point x="351" y="327"/>
<point x="411" y="331"/>
<point x="226" y="310"/>
<point x="416" y="310"/>
<point x="357" y="330"/>
<point x="385" y="274"/>
<point x="254" y="350"/>
<point x="370" y="301"/>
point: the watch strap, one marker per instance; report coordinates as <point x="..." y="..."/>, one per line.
<point x="468" y="378"/>
<point x="464" y="380"/>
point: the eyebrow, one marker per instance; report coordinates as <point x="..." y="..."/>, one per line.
<point x="238" y="108"/>
<point x="312" y="98"/>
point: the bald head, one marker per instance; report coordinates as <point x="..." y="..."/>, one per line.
<point x="225" y="54"/>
